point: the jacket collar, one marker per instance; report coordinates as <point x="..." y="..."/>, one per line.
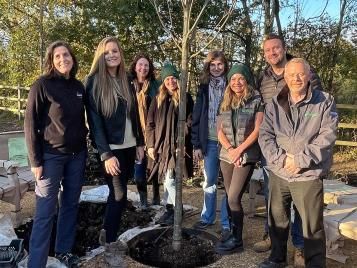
<point x="283" y="97"/>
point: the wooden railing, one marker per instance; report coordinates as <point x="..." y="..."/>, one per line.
<point x="22" y="93"/>
<point x="346" y="125"/>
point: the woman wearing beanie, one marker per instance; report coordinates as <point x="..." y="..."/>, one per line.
<point x="204" y="136"/>
<point x="114" y="127"/>
<point x="161" y="134"/>
<point x="240" y="115"/>
<point x="146" y="87"/>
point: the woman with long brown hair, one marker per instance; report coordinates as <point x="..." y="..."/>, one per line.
<point x="204" y="136"/>
<point x="146" y="87"/>
<point x="55" y="134"/>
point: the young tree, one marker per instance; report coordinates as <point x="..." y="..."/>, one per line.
<point x="189" y="26"/>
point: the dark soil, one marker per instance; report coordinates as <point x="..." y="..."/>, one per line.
<point x="195" y="251"/>
<point x="90" y="221"/>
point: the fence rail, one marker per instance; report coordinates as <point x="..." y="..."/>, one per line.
<point x="23" y="91"/>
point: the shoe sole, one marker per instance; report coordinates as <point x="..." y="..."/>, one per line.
<point x="229" y="252"/>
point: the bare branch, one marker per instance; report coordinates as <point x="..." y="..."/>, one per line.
<point x="170" y="15"/>
<point x="322" y="12"/>
<point x="198" y="17"/>
<point x="168" y="31"/>
<point x="226" y="17"/>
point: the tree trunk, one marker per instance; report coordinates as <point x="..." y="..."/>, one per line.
<point x="177" y="236"/>
<point x="335" y="49"/>
<point x="268" y="22"/>
<point x="248" y="34"/>
<point x="41" y="37"/>
<point x="277" y="18"/>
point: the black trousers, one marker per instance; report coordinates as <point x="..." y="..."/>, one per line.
<point x="308" y="199"/>
<point x="115" y="208"/>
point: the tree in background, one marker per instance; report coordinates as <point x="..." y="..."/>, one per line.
<point x="26" y="27"/>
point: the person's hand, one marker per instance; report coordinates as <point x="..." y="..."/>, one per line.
<point x="112" y="166"/>
<point x="197" y="155"/>
<point x="140" y="153"/>
<point x="289" y="164"/>
<point x="151" y="153"/>
<point x="37" y="172"/>
<point x="234" y="154"/>
<point x="238" y="162"/>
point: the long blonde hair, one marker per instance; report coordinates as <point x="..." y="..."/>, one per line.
<point x="233" y="101"/>
<point x="107" y="89"/>
<point x="163" y="93"/>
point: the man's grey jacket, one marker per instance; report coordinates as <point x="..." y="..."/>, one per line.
<point x="310" y="136"/>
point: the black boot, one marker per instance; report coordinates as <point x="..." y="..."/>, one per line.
<point x="156" y="193"/>
<point x="168" y="216"/>
<point x="234" y="243"/>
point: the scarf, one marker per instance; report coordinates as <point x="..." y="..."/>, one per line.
<point x="141" y="97"/>
<point x="216" y="89"/>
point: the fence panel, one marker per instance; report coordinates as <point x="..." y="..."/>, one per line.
<point x="18" y="102"/>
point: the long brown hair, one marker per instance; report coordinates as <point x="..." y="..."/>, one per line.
<point x="211" y="56"/>
<point x="151" y="73"/>
<point x="50" y="68"/>
<point x="107" y="89"/>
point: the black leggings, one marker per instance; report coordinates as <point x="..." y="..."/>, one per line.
<point x="116" y="206"/>
<point x="236" y="180"/>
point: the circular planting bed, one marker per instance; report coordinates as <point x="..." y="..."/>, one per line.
<point x="154" y="248"/>
<point x="89" y="224"/>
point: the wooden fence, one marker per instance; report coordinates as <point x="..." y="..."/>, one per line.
<point x="23" y="91"/>
<point x="345" y="125"/>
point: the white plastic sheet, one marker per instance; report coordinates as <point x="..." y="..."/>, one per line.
<point x="51" y="263"/>
<point x="7" y="232"/>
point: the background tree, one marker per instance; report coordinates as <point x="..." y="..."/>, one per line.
<point x="27" y="27"/>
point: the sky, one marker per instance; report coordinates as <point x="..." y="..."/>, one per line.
<point x="311" y="8"/>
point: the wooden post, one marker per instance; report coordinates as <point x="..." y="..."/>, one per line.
<point x="19" y="101"/>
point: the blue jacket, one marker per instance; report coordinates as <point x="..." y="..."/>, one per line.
<point x="199" y="135"/>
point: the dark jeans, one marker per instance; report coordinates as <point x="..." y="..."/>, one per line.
<point x="296" y="227"/>
<point x="66" y="170"/>
<point x="115" y="208"/>
<point x="308" y="199"/>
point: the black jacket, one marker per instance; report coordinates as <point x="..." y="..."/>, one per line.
<point x="105" y="131"/>
<point x="199" y="135"/>
<point x="54" y="118"/>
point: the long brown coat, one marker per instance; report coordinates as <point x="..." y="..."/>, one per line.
<point x="161" y="134"/>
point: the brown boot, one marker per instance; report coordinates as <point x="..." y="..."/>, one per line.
<point x="299" y="260"/>
<point x="264" y="245"/>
